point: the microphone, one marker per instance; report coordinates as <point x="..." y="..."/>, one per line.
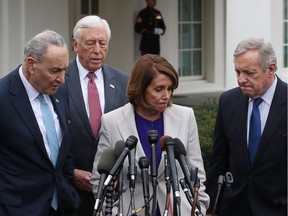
<point x="169" y="146"/>
<point x="180" y="155"/>
<point x="144" y="165"/>
<point x="153" y="139"/>
<point x="129" y="144"/>
<point x="103" y="168"/>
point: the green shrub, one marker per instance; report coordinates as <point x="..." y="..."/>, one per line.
<point x="206" y="116"/>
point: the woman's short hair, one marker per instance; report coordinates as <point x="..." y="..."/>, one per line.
<point x="144" y="71"/>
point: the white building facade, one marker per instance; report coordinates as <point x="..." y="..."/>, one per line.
<point x="199" y="41"/>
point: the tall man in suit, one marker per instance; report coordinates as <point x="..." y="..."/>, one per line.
<point x="32" y="182"/>
<point x="260" y="174"/>
<point x="91" y="37"/>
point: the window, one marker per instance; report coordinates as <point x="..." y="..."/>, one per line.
<point x="190" y="45"/>
<point x="89" y="7"/>
<point x="285" y="23"/>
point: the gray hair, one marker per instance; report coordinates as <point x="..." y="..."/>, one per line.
<point x="91" y="21"/>
<point x="266" y="51"/>
<point x="37" y="47"/>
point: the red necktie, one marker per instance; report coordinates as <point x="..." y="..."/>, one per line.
<point x="94" y="104"/>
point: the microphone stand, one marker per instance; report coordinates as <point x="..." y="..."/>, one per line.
<point x="132" y="179"/>
<point x="168" y="185"/>
<point x="186" y="191"/>
<point x="220" y="184"/>
<point x="196" y="189"/>
<point x="120" y="191"/>
<point x="109" y="199"/>
<point x="228" y="178"/>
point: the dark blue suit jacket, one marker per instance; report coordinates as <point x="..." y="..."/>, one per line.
<point x="260" y="188"/>
<point x="27" y="176"/>
<point x="84" y="144"/>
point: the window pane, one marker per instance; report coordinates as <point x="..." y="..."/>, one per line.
<point x="186" y="36"/>
<point x="190" y="37"/>
<point x="197" y="64"/>
<point x="197" y="10"/>
<point x="196" y="36"/>
<point x="186" y="63"/>
<point x="84" y="7"/>
<point x="185" y="10"/>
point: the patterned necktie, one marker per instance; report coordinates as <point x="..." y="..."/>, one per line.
<point x="51" y="137"/>
<point x="255" y="129"/>
<point x="94" y="104"/>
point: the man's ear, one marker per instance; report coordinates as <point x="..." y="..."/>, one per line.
<point x="31" y="64"/>
<point x="272" y="69"/>
<point x="75" y="45"/>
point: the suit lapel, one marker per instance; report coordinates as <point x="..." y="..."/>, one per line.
<point x="109" y="88"/>
<point x="23" y="107"/>
<point x="171" y="128"/>
<point x="72" y="81"/>
<point x="276" y="113"/>
<point x="62" y="120"/>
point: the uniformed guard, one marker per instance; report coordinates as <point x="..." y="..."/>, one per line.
<point x="150" y="24"/>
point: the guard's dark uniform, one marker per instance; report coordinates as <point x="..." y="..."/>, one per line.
<point x="147" y="20"/>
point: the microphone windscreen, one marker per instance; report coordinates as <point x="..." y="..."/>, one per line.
<point x="119" y="148"/>
<point x="131" y="142"/>
<point x="152" y="136"/>
<point x="143" y="162"/>
<point x="162" y="141"/>
<point x="107" y="161"/>
<point x="179" y="148"/>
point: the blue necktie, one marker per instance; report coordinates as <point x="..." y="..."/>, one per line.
<point x="255" y="129"/>
<point x="51" y="137"/>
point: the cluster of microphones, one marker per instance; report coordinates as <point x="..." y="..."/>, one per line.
<point x="110" y="168"/>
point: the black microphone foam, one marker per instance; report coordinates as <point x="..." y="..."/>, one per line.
<point x="180" y="155"/>
<point x="169" y="146"/>
<point x="129" y="144"/>
<point x="144" y="165"/>
<point x="119" y="148"/>
<point x="152" y="136"/>
<point x="106" y="162"/>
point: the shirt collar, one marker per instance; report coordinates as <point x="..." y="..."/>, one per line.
<point x="268" y="96"/>
<point x="83" y="71"/>
<point x="31" y="91"/>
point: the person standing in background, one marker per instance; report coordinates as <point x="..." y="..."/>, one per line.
<point x="91" y="37"/>
<point x="255" y="154"/>
<point x="36" y="170"/>
<point x="150" y="24"/>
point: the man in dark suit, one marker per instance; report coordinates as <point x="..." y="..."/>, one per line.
<point x="31" y="182"/>
<point x="260" y="174"/>
<point x="91" y="37"/>
<point x="150" y="24"/>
